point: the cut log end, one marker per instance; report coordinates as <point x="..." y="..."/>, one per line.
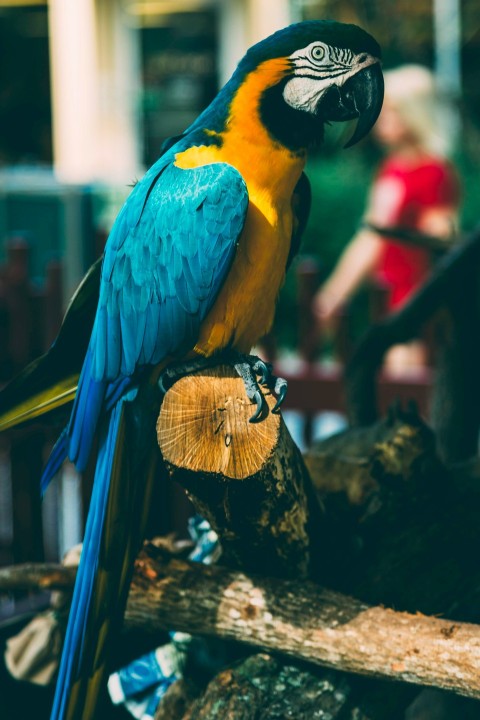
<point x="204" y="425"/>
<point x="247" y="479"/>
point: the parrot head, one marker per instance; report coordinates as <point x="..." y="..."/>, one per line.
<point x="320" y="72"/>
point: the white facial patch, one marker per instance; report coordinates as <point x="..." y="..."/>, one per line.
<point x="317" y="68"/>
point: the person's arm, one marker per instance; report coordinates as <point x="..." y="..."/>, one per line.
<point x="357" y="262"/>
<point x="362" y="254"/>
<point x="439" y="221"/>
<point x="439" y="200"/>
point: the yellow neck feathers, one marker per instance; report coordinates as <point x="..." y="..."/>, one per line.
<point x="245" y="142"/>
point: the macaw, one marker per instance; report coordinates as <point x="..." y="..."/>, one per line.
<point x="192" y="269"/>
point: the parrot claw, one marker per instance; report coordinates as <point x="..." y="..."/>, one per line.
<point x="264" y="370"/>
<point x="281" y="387"/>
<point x="161" y="384"/>
<point x="261" y="407"/>
<point x="173" y="373"/>
<point x="247" y="366"/>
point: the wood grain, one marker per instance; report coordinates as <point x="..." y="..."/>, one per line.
<point x="204" y="425"/>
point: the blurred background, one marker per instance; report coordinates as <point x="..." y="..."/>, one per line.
<point x="89" y="90"/>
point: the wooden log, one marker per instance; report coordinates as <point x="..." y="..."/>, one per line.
<point x="316" y="625"/>
<point x="369" y="551"/>
<point x="272" y="687"/>
<point x="248" y="479"/>
<point x="36" y="576"/>
<point x="358" y="461"/>
<point x="313" y="624"/>
<point x="402" y="526"/>
<point x="275" y="689"/>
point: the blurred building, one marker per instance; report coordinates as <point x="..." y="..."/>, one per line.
<point x="94" y="86"/>
<point x="91" y="88"/>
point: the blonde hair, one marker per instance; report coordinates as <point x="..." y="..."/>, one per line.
<point x="411" y="89"/>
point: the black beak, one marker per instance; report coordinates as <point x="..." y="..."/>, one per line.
<point x="360" y="97"/>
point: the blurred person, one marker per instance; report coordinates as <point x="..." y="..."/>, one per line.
<point x="414" y="188"/>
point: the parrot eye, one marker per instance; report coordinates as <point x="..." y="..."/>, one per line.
<point x="317" y="53"/>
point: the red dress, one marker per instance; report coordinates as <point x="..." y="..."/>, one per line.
<point x="429" y="183"/>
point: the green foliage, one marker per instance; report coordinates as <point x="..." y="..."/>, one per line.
<point x="340" y="183"/>
<point x="467" y="166"/>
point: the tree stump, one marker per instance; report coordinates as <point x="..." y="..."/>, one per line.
<point x="248" y="479"/>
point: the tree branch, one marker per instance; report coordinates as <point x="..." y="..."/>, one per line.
<point x="317" y="625"/>
<point x="35" y="576"/>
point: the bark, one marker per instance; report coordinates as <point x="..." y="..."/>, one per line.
<point x="248" y="479"/>
<point x="35" y="576"/>
<point x="402" y="526"/>
<point x="274" y="688"/>
<point x="358" y="461"/>
<point x="316" y="625"/>
<point x="177" y="700"/>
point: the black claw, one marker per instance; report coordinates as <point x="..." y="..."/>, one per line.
<point x="282" y="394"/>
<point x="161" y="385"/>
<point x="261" y="406"/>
<point x="264" y="370"/>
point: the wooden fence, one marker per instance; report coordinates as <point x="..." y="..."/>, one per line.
<point x="315" y="387"/>
<point x="30" y="316"/>
<point x="29" y="319"/>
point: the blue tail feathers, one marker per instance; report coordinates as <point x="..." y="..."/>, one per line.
<point x="85" y="414"/>
<point x="55" y="461"/>
<point x="88" y="566"/>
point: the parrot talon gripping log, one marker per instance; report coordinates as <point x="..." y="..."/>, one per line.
<point x="192" y="268"/>
<point x="247" y="367"/>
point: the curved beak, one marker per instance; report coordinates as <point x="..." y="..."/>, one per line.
<point x="367" y="90"/>
<point x="360" y="97"/>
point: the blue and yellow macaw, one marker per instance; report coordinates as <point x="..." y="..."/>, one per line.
<point x="192" y="268"/>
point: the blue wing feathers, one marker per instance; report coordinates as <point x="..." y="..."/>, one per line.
<point x="160" y="277"/>
<point x="101" y="356"/>
<point x="165" y="261"/>
<point x="175" y="257"/>
<point x="115" y="391"/>
<point x="114" y="349"/>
